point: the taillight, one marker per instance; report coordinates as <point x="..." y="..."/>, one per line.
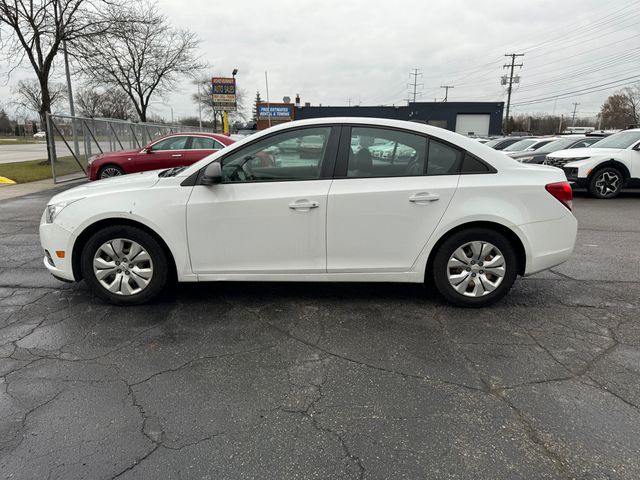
<point x="562" y="192"/>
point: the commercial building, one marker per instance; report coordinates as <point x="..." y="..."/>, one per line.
<point x="467" y="118"/>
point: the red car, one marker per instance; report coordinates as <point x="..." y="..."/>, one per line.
<point x="173" y="150"/>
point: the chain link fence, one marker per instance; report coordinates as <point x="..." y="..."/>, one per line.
<point x="73" y="140"/>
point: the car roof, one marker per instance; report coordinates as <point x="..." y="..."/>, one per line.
<point x="225" y="139"/>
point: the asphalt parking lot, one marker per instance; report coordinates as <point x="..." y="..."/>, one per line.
<point x="283" y="381"/>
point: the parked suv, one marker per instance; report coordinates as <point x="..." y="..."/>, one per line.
<point x="178" y="149"/>
<point x="614" y="163"/>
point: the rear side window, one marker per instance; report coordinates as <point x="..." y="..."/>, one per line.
<point x="379" y="152"/>
<point x="204" y="143"/>
<point x="471" y="164"/>
<point x="443" y="159"/>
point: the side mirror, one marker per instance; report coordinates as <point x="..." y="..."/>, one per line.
<point x="212" y="174"/>
<point x="147" y="149"/>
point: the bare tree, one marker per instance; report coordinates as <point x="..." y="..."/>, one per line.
<point x="28" y="94"/>
<point x="633" y="102"/>
<point x="109" y="103"/>
<point x="35" y="30"/>
<point x="143" y="58"/>
<point x="208" y="108"/>
<point x="616" y="112"/>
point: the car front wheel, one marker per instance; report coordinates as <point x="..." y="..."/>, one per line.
<point x="124" y="265"/>
<point x="606" y="183"/>
<point x="110" y="171"/>
<point x="474" y="267"/>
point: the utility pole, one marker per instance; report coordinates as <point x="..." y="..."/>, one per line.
<point x="510" y="82"/>
<point x="446" y="92"/>
<point x="415" y="73"/>
<point x="573" y="117"/>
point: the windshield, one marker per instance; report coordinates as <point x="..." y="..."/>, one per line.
<point x="521" y="145"/>
<point x="620" y="140"/>
<point x="494" y="142"/>
<point x="556" y="145"/>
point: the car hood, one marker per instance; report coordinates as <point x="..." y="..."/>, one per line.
<point x="584" y="152"/>
<point x="134" y="181"/>
<point x="120" y="153"/>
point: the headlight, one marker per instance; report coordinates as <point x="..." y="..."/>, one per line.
<point x="92" y="158"/>
<point x="524" y="159"/>
<point x="54" y="209"/>
<point x="576" y="159"/>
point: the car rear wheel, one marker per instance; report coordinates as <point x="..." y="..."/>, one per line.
<point x="606" y="183"/>
<point x="124" y="265"/>
<point x="109" y="171"/>
<point x="474" y="267"/>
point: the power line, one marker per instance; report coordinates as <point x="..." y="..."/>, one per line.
<point x="591" y="89"/>
<point x="512" y="66"/>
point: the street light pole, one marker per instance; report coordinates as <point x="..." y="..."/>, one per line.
<point x="72" y="112"/>
<point x="199" y="107"/>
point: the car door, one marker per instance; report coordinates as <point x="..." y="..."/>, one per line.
<point x="200" y="146"/>
<point x="166" y="153"/>
<point x="382" y="211"/>
<point x="268" y="216"/>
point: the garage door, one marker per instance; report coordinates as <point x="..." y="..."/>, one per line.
<point x="473" y="124"/>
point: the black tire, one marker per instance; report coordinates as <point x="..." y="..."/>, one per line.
<point x="110" y="168"/>
<point x="158" y="262"/>
<point x="440" y="271"/>
<point x="606" y="183"/>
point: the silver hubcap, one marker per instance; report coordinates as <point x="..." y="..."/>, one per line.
<point x="123" y="266"/>
<point x="476" y="269"/>
<point x="607" y="184"/>
<point x="110" y="172"/>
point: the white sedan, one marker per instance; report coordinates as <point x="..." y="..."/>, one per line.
<point x="454" y="213"/>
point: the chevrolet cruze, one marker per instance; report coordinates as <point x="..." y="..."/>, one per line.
<point x="438" y="208"/>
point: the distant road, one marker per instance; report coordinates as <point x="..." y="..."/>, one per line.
<point x="36" y="151"/>
<point x="27" y="151"/>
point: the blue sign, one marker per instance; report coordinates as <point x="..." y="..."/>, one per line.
<point x="283" y="112"/>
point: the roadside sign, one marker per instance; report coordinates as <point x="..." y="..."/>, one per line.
<point x="280" y="112"/>
<point x="223" y="93"/>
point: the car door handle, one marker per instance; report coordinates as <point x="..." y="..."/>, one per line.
<point x="176" y="155"/>
<point x="303" y="205"/>
<point x="424" y="197"/>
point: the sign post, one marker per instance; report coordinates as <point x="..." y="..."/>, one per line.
<point x="223" y="97"/>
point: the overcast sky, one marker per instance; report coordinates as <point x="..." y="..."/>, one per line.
<point x="333" y="52"/>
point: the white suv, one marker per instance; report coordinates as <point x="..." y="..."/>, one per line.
<point x="613" y="163"/>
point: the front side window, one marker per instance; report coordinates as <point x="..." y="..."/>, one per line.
<point x="204" y="143"/>
<point x="377" y="152"/>
<point x="171" y="143"/>
<point x="292" y="155"/>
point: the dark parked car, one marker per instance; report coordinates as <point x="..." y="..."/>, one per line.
<point x="538" y="156"/>
<point x="502" y="142"/>
<point x="174" y="150"/>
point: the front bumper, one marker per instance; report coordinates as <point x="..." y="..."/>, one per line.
<point x="53" y="239"/>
